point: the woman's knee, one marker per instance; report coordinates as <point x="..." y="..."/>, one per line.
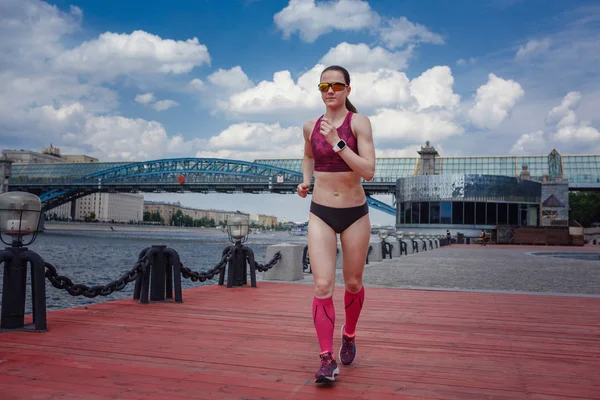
<point x="353" y="285"/>
<point x="324" y="287"/>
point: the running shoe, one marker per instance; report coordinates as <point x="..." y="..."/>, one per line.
<point x="329" y="369"/>
<point x="347" y="349"/>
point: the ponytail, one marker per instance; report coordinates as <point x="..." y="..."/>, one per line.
<point x="350" y="106"/>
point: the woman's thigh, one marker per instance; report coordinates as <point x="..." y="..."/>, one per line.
<point x="355" y="245"/>
<point x="322" y="249"/>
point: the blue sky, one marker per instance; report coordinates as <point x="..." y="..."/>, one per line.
<point x="133" y="80"/>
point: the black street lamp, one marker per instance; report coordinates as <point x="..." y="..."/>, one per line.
<point x="19" y="218"/>
<point x="237" y="274"/>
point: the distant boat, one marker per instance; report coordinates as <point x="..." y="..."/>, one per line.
<point x="298" y="232"/>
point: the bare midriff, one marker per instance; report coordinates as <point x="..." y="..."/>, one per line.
<point x="338" y="189"/>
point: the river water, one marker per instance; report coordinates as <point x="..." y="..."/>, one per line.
<point x="99" y="257"/>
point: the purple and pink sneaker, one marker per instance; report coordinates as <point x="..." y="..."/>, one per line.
<point x="329" y="369"/>
<point x="347" y="349"/>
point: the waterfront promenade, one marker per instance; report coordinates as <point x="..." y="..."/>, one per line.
<point x="468" y="338"/>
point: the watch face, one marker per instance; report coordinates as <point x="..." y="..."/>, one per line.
<point x="341" y="144"/>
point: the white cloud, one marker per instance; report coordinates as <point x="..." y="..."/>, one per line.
<point x="361" y="58"/>
<point x="398" y="32"/>
<point x="196" y="85"/>
<point x="414" y="127"/>
<point x="529" y="143"/>
<point x="581" y="132"/>
<point x="564" y="114"/>
<point x="568" y="126"/>
<point x="311" y="19"/>
<point x="233" y="78"/>
<point x="120" y="138"/>
<point x="148" y="99"/>
<point x="494" y="101"/>
<point x="145" y="98"/>
<point x="462" y="61"/>
<point x="383" y="87"/>
<point x="434" y="88"/>
<point x="113" y="54"/>
<point x="250" y="141"/>
<point x="163" y="105"/>
<point x="532" y="47"/>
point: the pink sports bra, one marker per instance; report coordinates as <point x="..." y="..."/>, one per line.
<point x="327" y="160"/>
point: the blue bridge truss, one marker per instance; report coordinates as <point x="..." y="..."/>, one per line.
<point x="57" y="184"/>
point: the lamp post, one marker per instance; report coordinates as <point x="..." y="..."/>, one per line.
<point x="19" y="218"/>
<point x="237" y="231"/>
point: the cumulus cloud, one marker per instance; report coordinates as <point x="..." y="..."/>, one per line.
<point x="196" y="85"/>
<point x="145" y="98"/>
<point x="114" y="54"/>
<point x="311" y="19"/>
<point x="532" y="47"/>
<point x="163" y="105"/>
<point x="414" y="127"/>
<point x="233" y="78"/>
<point x="383" y="87"/>
<point x="568" y="126"/>
<point x="529" y="143"/>
<point x="398" y="32"/>
<point x="148" y="99"/>
<point x="563" y="126"/>
<point x="120" y="138"/>
<point x="362" y="58"/>
<point x="434" y="88"/>
<point x="250" y="141"/>
<point x="494" y="101"/>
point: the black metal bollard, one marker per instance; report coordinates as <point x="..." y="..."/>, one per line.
<point x="237" y="272"/>
<point x="403" y="247"/>
<point x="424" y="245"/>
<point x="161" y="273"/>
<point x="386" y="249"/>
<point x="14" y="288"/>
<point x="415" y="246"/>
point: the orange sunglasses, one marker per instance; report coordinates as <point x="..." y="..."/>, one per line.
<point x="337" y="86"/>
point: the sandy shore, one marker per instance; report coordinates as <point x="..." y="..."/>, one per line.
<point x="82" y="226"/>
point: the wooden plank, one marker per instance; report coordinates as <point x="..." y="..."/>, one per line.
<point x="244" y="343"/>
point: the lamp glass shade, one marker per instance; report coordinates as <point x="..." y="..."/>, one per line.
<point x="238" y="227"/>
<point x="19" y="213"/>
<point x="383" y="233"/>
<point x="399" y="234"/>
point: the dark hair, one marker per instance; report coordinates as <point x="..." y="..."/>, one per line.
<point x="344" y="71"/>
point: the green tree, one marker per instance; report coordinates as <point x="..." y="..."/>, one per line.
<point x="585" y="207"/>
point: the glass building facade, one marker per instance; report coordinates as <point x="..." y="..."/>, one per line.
<point x="575" y="168"/>
<point x="472" y="201"/>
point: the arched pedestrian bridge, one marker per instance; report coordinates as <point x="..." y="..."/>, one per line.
<point x="58" y="183"/>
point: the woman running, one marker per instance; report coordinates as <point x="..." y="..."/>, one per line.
<point x="339" y="152"/>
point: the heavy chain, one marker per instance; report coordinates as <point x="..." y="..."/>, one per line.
<point x="62" y="282"/>
<point x="270" y="264"/>
<point x="208" y="275"/>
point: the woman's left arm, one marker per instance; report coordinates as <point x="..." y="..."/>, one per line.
<point x="364" y="163"/>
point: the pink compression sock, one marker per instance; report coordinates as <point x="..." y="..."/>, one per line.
<point x="353" y="303"/>
<point x="324" y="319"/>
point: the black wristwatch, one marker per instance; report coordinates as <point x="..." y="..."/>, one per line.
<point x="339" y="146"/>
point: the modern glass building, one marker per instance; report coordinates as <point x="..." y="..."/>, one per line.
<point x="466" y="202"/>
<point x="467" y="194"/>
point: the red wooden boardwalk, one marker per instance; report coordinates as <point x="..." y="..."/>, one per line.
<point x="246" y="343"/>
